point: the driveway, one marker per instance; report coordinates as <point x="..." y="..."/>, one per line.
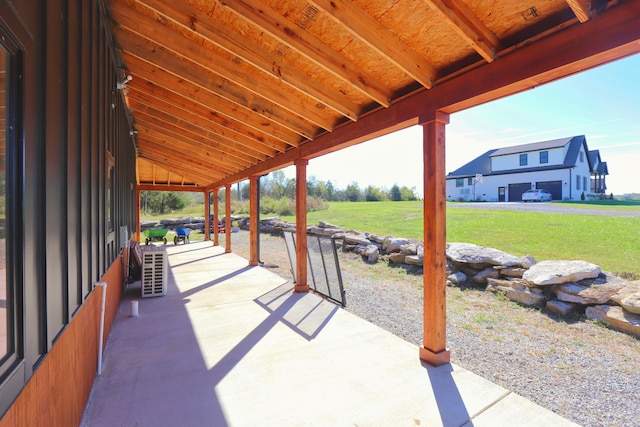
<point x="543" y="207"/>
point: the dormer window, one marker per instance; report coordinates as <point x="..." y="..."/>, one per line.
<point x="544" y="157"/>
<point x="523" y="160"/>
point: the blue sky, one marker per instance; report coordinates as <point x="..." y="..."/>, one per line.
<point x="603" y="104"/>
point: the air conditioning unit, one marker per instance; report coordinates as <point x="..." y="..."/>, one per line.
<point x="154" y="271"/>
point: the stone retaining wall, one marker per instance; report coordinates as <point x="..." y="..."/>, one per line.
<point x="559" y="287"/>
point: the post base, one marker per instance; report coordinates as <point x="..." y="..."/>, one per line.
<point x="436" y="359"/>
<point x="301" y="288"/>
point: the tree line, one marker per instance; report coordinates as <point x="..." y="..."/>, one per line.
<point x="276" y="185"/>
<point x="277" y="196"/>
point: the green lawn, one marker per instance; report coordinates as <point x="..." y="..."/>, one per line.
<point x="612" y="242"/>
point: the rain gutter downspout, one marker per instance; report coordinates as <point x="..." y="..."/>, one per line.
<point x="570" y="184"/>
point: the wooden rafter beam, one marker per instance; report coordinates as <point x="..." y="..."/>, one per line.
<point x="176" y="161"/>
<point x="152" y="95"/>
<point x="187" y="70"/>
<point x="200" y="63"/>
<point x="516" y="72"/>
<point x="189" y="146"/>
<point x="212" y="147"/>
<point x="167" y="159"/>
<point x="197" y="26"/>
<point x="217" y="99"/>
<point x="288" y="33"/>
<point x="171" y="187"/>
<point x="366" y="29"/>
<point x="468" y="26"/>
<point x="193" y="123"/>
<point x="581" y="8"/>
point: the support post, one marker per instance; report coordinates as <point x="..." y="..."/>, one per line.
<point x="301" y="226"/>
<point x="207" y="221"/>
<point x="434" y="350"/>
<point x="215" y="218"/>
<point x="254" y="227"/>
<point x="227" y="219"/>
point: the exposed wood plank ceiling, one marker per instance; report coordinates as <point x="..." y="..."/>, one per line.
<point x="220" y="88"/>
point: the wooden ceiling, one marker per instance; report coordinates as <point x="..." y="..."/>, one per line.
<point x="224" y="89"/>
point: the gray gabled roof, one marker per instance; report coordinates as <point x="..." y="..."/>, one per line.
<point x="602" y="168"/>
<point x="594" y="157"/>
<point x="482" y="163"/>
<point x="535" y="146"/>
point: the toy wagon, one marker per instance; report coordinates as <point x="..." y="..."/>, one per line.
<point x="155" y="235"/>
<point x="182" y="235"/>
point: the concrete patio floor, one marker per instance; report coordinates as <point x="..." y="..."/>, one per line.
<point x="232" y="345"/>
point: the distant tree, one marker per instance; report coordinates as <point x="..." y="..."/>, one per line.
<point x="245" y="190"/>
<point x="315" y="188"/>
<point x="353" y="193"/>
<point x="373" y="194"/>
<point x="330" y="191"/>
<point x="408" y="194"/>
<point x="274" y="185"/>
<point x="161" y="202"/>
<point x="394" y="194"/>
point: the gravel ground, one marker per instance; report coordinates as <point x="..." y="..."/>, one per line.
<point x="576" y="368"/>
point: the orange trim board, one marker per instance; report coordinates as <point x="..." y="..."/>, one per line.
<point x="58" y="391"/>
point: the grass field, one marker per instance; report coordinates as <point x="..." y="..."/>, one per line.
<point x="612" y="242"/>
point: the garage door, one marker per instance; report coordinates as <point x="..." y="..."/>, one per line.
<point x="516" y="190"/>
<point x="553" y="187"/>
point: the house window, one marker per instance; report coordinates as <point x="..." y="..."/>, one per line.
<point x="577" y="182"/>
<point x="581" y="157"/>
<point x="459" y="182"/>
<point x="10" y="196"/>
<point x="544" y="157"/>
<point x="523" y="160"/>
<point x="470" y="181"/>
<point x="110" y="191"/>
<point x="584" y="183"/>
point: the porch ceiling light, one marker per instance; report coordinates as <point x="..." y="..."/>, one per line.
<point x="122" y="85"/>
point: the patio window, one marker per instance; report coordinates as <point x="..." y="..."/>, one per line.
<point x="523" y="159"/>
<point x="10" y="228"/>
<point x="110" y="191"/>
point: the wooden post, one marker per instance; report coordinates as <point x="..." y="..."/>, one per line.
<point x="215" y="218"/>
<point x="227" y="221"/>
<point x="207" y="212"/>
<point x="253" y="220"/>
<point x="301" y="226"/>
<point x="434" y="350"/>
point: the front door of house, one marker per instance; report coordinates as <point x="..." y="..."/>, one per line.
<point x="501" y="192"/>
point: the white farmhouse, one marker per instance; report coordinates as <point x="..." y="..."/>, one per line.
<point x="565" y="167"/>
